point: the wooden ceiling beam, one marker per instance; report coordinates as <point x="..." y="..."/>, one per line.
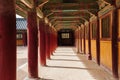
<point x="41" y="4"/>
<point x="54" y="6"/>
<point x="27" y="4"/>
<point x="21" y="9"/>
<point x="22" y="5"/>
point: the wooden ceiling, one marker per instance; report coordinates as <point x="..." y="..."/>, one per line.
<point x="63" y="14"/>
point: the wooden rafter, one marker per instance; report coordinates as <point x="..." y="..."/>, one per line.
<point x="27" y="4"/>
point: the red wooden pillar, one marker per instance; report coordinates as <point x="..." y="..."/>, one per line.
<point x="25" y="38"/>
<point x="55" y="40"/>
<point x="42" y="43"/>
<point x="32" y="44"/>
<point x="98" y="41"/>
<point x="7" y="40"/>
<point x="89" y="42"/>
<point x="47" y="38"/>
<point x="52" y="41"/>
<point x="76" y="45"/>
<point x="84" y="40"/>
<point x="50" y="44"/>
<point x="78" y="35"/>
<point x="115" y="24"/>
<point x="80" y="40"/>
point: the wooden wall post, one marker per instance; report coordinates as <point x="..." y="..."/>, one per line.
<point x="89" y="42"/>
<point x="115" y="43"/>
<point x="84" y="40"/>
<point x="98" y="41"/>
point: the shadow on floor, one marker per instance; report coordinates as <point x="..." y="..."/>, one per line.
<point x="70" y="67"/>
<point x="65" y="60"/>
<point x="66" y="64"/>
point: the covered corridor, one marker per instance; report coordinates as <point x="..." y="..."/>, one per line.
<point x="90" y="26"/>
<point x="65" y="64"/>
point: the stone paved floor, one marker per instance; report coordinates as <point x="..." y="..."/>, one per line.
<point x="65" y="64"/>
<point x="21" y="62"/>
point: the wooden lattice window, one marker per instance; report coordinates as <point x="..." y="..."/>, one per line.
<point x="65" y="35"/>
<point x="19" y="36"/>
<point x="105" y="28"/>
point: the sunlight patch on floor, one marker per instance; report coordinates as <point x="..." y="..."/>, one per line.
<point x="65" y="64"/>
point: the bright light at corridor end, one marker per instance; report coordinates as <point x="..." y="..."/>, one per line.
<point x="18" y="16"/>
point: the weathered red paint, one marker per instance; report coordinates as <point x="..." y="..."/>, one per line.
<point x="84" y="40"/>
<point x="42" y="43"/>
<point x="78" y="35"/>
<point x="7" y="40"/>
<point x="32" y="45"/>
<point x="115" y="25"/>
<point x="49" y="46"/>
<point x="98" y="41"/>
<point x="89" y="43"/>
<point x="80" y="40"/>
<point x="77" y="40"/>
<point x="25" y="38"/>
<point x="47" y="42"/>
<point x="53" y="40"/>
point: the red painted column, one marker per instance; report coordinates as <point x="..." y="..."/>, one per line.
<point x="76" y="39"/>
<point x="49" y="46"/>
<point x="42" y="43"/>
<point x="84" y="41"/>
<point x="32" y="44"/>
<point x="80" y="40"/>
<point x="7" y="40"/>
<point x="56" y="39"/>
<point x="76" y="36"/>
<point x="89" y="42"/>
<point x="47" y="42"/>
<point x="115" y="25"/>
<point x="52" y="42"/>
<point x="25" y="38"/>
<point x="98" y="41"/>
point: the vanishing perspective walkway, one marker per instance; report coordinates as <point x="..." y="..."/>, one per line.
<point x="64" y="64"/>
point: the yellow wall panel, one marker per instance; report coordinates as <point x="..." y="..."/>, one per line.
<point x="106" y="54"/>
<point x="86" y="43"/>
<point x="82" y="45"/>
<point x="93" y="49"/>
<point x="19" y="42"/>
